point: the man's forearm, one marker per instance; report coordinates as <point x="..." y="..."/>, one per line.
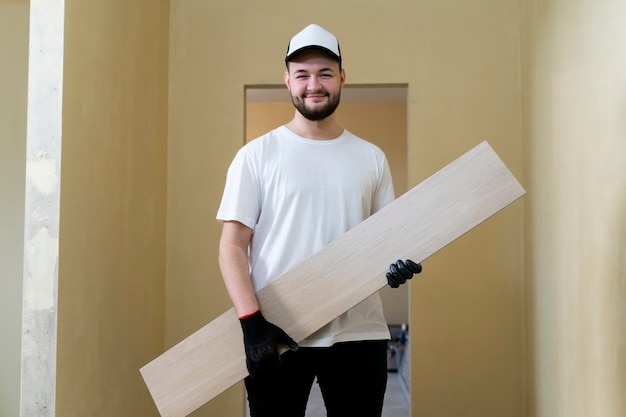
<point x="233" y="261"/>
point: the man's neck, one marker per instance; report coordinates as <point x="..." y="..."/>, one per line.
<point x="325" y="129"/>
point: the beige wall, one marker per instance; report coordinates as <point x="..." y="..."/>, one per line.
<point x="524" y="316"/>
<point x="575" y="140"/>
<point x="13" y="84"/>
<point x="112" y="236"/>
<point x="461" y="63"/>
<point x="467" y="310"/>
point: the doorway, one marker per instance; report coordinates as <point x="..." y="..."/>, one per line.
<point x="377" y="113"/>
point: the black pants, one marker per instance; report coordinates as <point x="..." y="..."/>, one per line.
<point x="352" y="378"/>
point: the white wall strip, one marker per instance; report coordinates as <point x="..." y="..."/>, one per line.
<point x="41" y="225"/>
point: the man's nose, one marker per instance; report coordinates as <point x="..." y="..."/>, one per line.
<point x="314" y="84"/>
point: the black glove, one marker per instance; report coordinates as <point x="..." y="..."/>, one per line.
<point x="260" y="339"/>
<point x="400" y="271"/>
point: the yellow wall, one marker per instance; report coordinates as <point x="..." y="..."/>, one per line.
<point x="13" y="84"/>
<point x="575" y="140"/>
<point x="461" y="63"/>
<point x="524" y="316"/>
<point x="112" y="236"/>
<point x="467" y="310"/>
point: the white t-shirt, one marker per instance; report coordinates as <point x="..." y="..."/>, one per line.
<point x="298" y="195"/>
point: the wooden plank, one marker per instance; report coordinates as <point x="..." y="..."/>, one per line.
<point x="415" y="226"/>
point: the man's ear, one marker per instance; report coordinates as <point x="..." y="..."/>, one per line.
<point x="343" y="77"/>
<point x="286" y="79"/>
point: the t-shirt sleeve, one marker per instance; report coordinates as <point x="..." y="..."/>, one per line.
<point x="241" y="198"/>
<point x="384" y="192"/>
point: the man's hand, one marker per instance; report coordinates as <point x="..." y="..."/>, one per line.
<point x="400" y="271"/>
<point x="261" y="339"/>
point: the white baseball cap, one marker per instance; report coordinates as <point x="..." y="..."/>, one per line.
<point x="314" y="37"/>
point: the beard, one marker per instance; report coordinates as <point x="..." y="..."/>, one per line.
<point x="319" y="112"/>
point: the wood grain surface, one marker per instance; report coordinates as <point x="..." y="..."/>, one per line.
<point x="415" y="226"/>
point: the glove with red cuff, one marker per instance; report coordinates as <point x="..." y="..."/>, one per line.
<point x="260" y="339"/>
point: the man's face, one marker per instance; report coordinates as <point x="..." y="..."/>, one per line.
<point x="315" y="82"/>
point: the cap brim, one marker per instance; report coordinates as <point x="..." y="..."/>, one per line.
<point x="328" y="52"/>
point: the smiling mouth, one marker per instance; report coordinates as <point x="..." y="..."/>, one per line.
<point x="315" y="96"/>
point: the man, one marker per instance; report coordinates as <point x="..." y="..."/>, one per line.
<point x="288" y="194"/>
